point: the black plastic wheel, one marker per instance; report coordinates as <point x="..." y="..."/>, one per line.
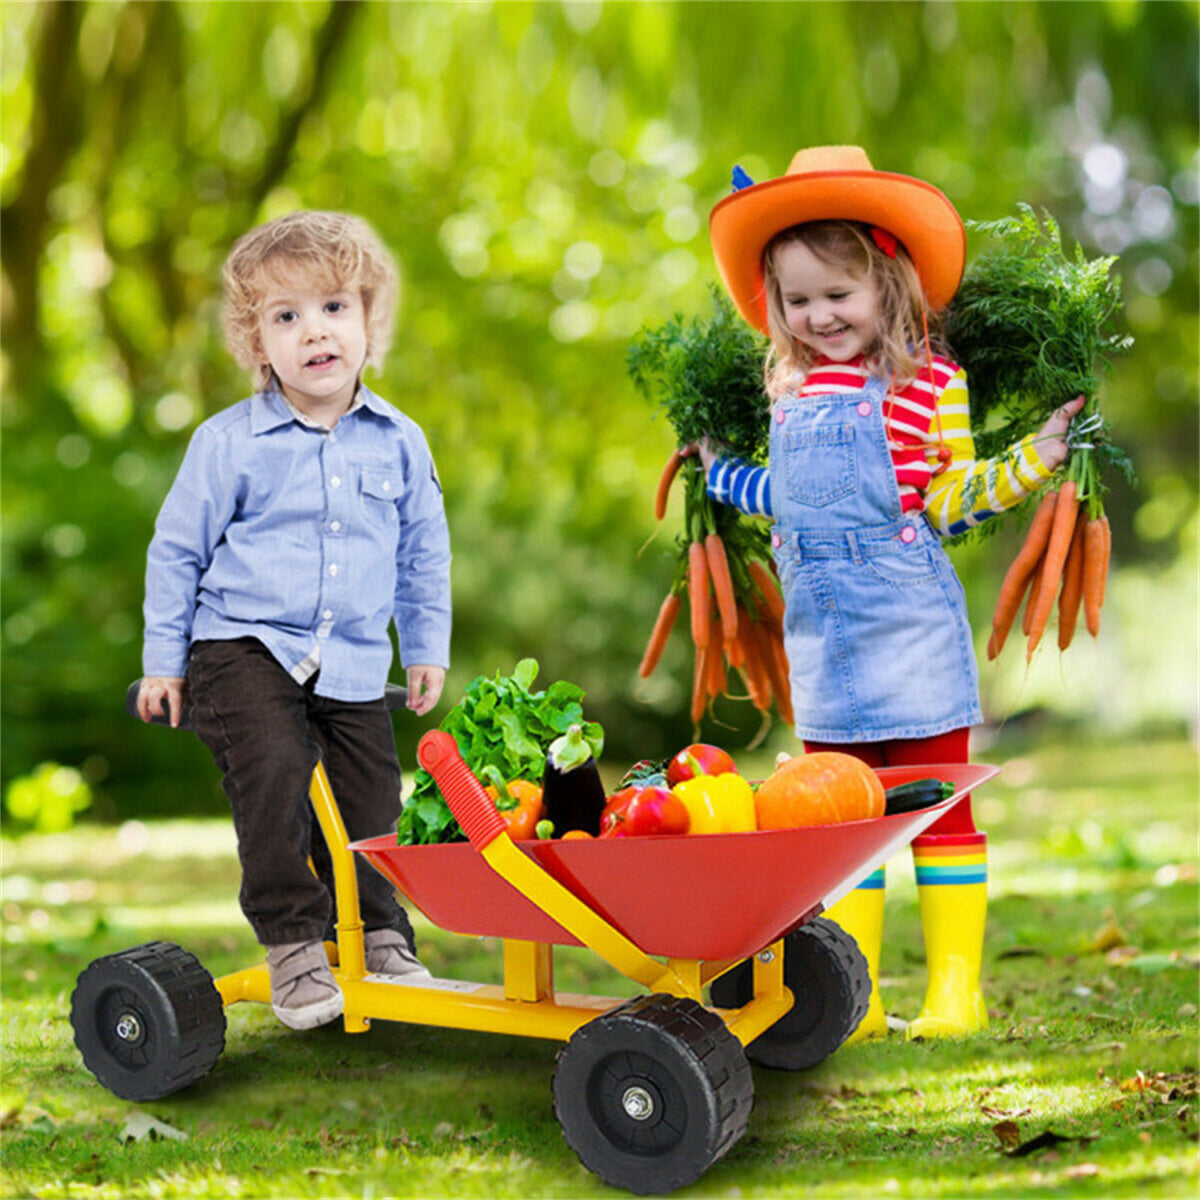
<point x="651" y="1094"/>
<point x="831" y="982"/>
<point x="148" y="1021"/>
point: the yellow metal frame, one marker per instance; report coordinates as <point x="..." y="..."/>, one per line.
<point x="527" y="1003"/>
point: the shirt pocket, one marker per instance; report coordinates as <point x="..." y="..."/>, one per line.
<point x="380" y="488"/>
<point x="819" y="464"/>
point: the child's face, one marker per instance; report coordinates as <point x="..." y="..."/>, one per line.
<point x="315" y="338"/>
<point x="827" y="309"/>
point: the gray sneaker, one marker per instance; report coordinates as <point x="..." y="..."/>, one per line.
<point x="304" y="993"/>
<point x="387" y="953"/>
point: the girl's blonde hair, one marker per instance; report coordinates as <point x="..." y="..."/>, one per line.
<point x="899" y="349"/>
<point x="335" y="250"/>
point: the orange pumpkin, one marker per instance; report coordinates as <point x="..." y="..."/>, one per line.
<point x="818" y="789"/>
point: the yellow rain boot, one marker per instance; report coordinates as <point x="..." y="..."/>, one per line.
<point x="951" y="875"/>
<point x="860" y="914"/>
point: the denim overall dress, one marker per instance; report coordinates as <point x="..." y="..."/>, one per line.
<point x="876" y="628"/>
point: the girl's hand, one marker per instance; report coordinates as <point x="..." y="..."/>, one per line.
<point x="701" y="449"/>
<point x="1051" y="441"/>
<point x="154" y="692"/>
<point x="424" y="688"/>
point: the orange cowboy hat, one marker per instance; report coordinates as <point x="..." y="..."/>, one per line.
<point x="835" y="183"/>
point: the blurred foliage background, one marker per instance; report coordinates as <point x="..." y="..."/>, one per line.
<point x="543" y="172"/>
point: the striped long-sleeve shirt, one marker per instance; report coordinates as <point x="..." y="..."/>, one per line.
<point x="969" y="491"/>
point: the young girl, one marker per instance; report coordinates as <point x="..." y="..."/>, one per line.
<point x="871" y="460"/>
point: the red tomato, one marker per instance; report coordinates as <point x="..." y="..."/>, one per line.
<point x="699" y="759"/>
<point x="614" y="810"/>
<point x="649" y="810"/>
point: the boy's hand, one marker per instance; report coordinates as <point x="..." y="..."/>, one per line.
<point x="1052" y="439"/>
<point x="161" y="693"/>
<point x="424" y="688"/>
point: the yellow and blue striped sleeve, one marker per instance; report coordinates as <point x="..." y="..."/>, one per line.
<point x="970" y="490"/>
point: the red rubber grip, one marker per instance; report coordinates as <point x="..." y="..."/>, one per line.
<point x="438" y="753"/>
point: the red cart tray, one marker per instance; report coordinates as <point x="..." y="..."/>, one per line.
<point x="706" y="897"/>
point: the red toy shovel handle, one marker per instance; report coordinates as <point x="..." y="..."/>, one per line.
<point x="438" y="754"/>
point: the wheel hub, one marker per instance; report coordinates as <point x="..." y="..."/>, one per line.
<point x="128" y="1027"/>
<point x="638" y="1103"/>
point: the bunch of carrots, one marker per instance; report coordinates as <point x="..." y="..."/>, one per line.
<point x="1035" y="325"/>
<point x="734" y="602"/>
<point x="1065" y="556"/>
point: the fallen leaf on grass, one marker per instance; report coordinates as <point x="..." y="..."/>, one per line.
<point x="1151" y="964"/>
<point x="140" y="1126"/>
<point x="1122" y="956"/>
<point x="1082" y="1171"/>
<point x="1172" y="1086"/>
<point x="1009" y="1133"/>
<point x="1001" y="1114"/>
<point x="1109" y="936"/>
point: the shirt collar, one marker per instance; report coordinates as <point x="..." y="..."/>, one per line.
<point x="270" y="408"/>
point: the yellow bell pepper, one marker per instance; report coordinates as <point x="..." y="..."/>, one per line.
<point x="717" y="803"/>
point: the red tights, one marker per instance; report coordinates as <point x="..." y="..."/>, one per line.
<point x="949" y="747"/>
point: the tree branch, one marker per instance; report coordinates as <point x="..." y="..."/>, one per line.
<point x="329" y="43"/>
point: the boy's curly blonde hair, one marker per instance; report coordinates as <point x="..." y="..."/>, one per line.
<point x="334" y="249"/>
<point x="899" y="350"/>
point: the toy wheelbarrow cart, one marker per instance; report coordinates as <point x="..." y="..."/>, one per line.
<point x="650" y="1092"/>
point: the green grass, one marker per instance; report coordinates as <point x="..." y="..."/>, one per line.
<point x="1096" y="1046"/>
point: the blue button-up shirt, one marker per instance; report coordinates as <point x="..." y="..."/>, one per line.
<point x="306" y="538"/>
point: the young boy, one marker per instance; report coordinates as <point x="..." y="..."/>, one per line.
<point x="301" y="521"/>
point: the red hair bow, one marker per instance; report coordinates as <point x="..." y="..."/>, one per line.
<point x="887" y="242"/>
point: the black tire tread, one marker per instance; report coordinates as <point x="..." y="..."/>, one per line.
<point x="844" y="972"/>
<point x="194" y="1016"/>
<point x="719" y="1056"/>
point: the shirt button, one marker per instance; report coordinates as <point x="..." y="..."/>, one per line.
<point x="864" y="408"/>
<point x="387" y="487"/>
<point x="327" y="615"/>
<point x="908" y="534"/>
<point x="780" y="417"/>
<point x="335" y="525"/>
<point x="336" y="481"/>
<point x="333" y="568"/>
<point x="776" y="540"/>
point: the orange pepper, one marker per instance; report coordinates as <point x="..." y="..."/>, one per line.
<point x="519" y="802"/>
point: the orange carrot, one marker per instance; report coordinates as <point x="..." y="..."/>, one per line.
<point x="780" y="687"/>
<point x="1072" y="589"/>
<point x="783" y="696"/>
<point x="664" y="483"/>
<point x="718" y="572"/>
<point x="754" y="671"/>
<point x="768" y="585"/>
<point x="715" y="667"/>
<point x="1061" y="532"/>
<point x="1107" y="555"/>
<point x="699" y="680"/>
<point x="698" y="594"/>
<point x="1095" y="571"/>
<point x="667" y="614"/>
<point x="733" y="647"/>
<point x="1031" y="599"/>
<point x="1016" y="579"/>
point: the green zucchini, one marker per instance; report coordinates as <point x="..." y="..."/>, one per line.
<point x="920" y="793"/>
